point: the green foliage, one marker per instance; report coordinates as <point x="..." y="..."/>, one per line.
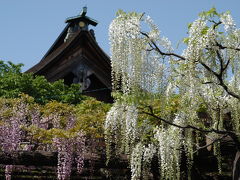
<point x="54" y="117"/>
<point x="91" y="115"/>
<point x="9" y="67"/>
<point x="204" y="30"/>
<point x="54" y="102"/>
<point x="120" y="12"/>
<point x="165" y="107"/>
<point x="210" y="13"/>
<point x="185" y="40"/>
<point x="13" y="83"/>
<point x="62" y="110"/>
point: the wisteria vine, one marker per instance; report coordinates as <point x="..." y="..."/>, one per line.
<point x="21" y="119"/>
<point x="204" y="78"/>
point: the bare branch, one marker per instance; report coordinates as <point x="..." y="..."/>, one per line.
<point x="142" y="15"/>
<point x="218" y="115"/>
<point x="221" y="63"/>
<point x="218" y="76"/>
<point x="220" y="79"/>
<point x="159" y="50"/>
<point x="214" y="141"/>
<point x="208" y="68"/>
<point x="225" y="87"/>
<point x="217" y="131"/>
<point x="216" y="24"/>
<point x="208" y="82"/>
<point x="226" y="66"/>
<point x="187" y="126"/>
<point x="226" y="47"/>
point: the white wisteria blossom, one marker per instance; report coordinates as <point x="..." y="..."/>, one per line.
<point x="136" y="161"/>
<point x="166" y="104"/>
<point x="170" y="142"/>
<point x="228" y="22"/>
<point x="134" y="64"/>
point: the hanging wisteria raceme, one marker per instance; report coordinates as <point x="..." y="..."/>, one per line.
<point x="141" y="159"/>
<point x="206" y="75"/>
<point x="205" y="79"/>
<point x="228" y="22"/>
<point x="8" y="171"/>
<point x="112" y="128"/>
<point x="136" y="68"/>
<point x="205" y="46"/>
<point x="211" y="69"/>
<point x="150" y="151"/>
<point x="170" y="142"/>
<point x="11" y="132"/>
<point x="135" y="65"/>
<point x="80" y="149"/>
<point x="20" y="122"/>
<point x="10" y="135"/>
<point x="65" y="157"/>
<point x="131" y="131"/>
<point x="67" y="147"/>
<point x="136" y="161"/>
<point x="121" y="129"/>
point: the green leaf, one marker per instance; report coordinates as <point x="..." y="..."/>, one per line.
<point x="211" y="13"/>
<point x="186" y="40"/>
<point x="205" y="30"/>
<point x="189" y="25"/>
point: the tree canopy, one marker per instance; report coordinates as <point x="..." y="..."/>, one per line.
<point x="165" y="102"/>
<point x="36" y="115"/>
<point x="13" y="82"/>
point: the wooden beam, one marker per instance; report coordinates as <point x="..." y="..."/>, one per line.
<point x="44" y="158"/>
<point x="28" y="158"/>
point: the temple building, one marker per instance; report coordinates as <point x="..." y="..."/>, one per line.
<point x="76" y="57"/>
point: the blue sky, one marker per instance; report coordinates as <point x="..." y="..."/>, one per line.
<point x="29" y="27"/>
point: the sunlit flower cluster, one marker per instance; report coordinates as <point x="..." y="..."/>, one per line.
<point x="134" y="62"/>
<point x="121" y="128"/>
<point x="11" y="132"/>
<point x="136" y="161"/>
<point x="65" y="158"/>
<point x="80" y="149"/>
<point x="228" y="22"/>
<point x="66" y="147"/>
<point x="200" y="36"/>
<point x="141" y="159"/>
<point x="17" y="115"/>
<point x="131" y="131"/>
<point x="170" y="142"/>
<point x="204" y="77"/>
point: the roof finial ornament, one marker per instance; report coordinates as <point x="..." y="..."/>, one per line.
<point x="82" y="17"/>
<point x="84" y="11"/>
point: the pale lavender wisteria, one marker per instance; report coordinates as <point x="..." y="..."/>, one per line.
<point x="17" y="115"/>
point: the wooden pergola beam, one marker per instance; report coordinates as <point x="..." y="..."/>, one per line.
<point x="44" y="158"/>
